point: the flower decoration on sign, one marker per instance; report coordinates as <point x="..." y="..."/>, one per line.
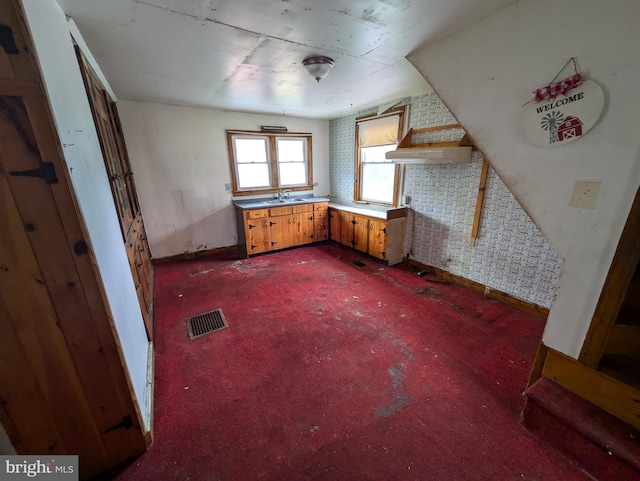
<point x="552" y="90"/>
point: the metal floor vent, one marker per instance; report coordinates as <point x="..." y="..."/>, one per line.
<point x="206" y="323"/>
<point x="358" y="263"/>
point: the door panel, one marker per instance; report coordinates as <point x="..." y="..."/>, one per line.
<point x="56" y="333"/>
<point x="360" y="233"/>
<point x="109" y="129"/>
<point x="377" y="244"/>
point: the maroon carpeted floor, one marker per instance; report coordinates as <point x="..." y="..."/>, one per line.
<point x="329" y="371"/>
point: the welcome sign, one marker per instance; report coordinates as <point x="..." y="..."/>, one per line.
<point x="565" y="118"/>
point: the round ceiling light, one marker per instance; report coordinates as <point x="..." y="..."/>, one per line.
<point x="318" y="67"/>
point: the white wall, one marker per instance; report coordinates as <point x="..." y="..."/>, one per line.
<point x="180" y="162"/>
<point x="76" y="130"/>
<point x="485" y="73"/>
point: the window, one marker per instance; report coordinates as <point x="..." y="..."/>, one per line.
<point x="263" y="162"/>
<point x="377" y="177"/>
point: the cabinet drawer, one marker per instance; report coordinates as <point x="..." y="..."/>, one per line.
<point x="302" y="208"/>
<point x="321" y="214"/>
<point x="258" y="213"/>
<point x="281" y="211"/>
<point x="321" y="206"/>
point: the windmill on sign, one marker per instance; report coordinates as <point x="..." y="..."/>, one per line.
<point x="551" y="122"/>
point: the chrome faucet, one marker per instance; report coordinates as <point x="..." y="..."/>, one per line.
<point x="283" y="194"/>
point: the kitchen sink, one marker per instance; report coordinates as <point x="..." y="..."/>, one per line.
<point x="291" y="200"/>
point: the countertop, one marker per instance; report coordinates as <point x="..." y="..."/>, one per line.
<point x="262" y="202"/>
<point x="377" y="212"/>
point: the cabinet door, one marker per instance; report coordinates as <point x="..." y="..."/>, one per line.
<point x="360" y="233"/>
<point x="321" y="225"/>
<point x="305" y="228"/>
<point x="377" y="241"/>
<point x="346" y="229"/>
<point x="257" y="234"/>
<point x="279" y="231"/>
<point x="334" y="225"/>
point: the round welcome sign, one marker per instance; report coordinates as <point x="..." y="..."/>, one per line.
<point x="566" y="118"/>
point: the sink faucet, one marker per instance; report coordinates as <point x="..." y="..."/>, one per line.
<point x="284" y="194"/>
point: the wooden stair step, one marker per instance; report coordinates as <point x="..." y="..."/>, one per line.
<point x="599" y="443"/>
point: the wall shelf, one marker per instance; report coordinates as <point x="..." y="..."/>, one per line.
<point x="432" y="152"/>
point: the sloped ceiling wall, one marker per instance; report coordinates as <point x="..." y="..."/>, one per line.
<point x="487" y="72"/>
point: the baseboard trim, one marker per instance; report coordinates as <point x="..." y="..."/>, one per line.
<point x="529" y="307"/>
<point x="185" y="256"/>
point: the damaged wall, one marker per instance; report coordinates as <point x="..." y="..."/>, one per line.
<point x="180" y="160"/>
<point x="510" y="255"/>
<point x="487" y="72"/>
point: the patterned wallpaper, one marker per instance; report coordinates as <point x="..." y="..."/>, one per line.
<point x="510" y="254"/>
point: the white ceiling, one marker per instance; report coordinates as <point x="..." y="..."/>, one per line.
<point x="246" y="55"/>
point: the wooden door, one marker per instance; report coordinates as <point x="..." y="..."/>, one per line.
<point x="321" y="225"/>
<point x="114" y="151"/>
<point x="63" y="386"/>
<point x="257" y="231"/>
<point x="346" y="229"/>
<point x="377" y="240"/>
<point x="335" y="225"/>
<point x="305" y="228"/>
<point x="360" y="233"/>
<point x="279" y="232"/>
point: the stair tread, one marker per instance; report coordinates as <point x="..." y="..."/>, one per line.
<point x="590" y="421"/>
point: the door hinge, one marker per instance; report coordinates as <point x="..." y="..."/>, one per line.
<point x="271" y="223"/>
<point x="7" y="41"/>
<point x="353" y="221"/>
<point x="384" y="229"/>
<point x="311" y="218"/>
<point x="273" y="243"/>
<point x="126" y="423"/>
<point x="253" y="247"/>
<point x="46" y="171"/>
<point x="251" y="226"/>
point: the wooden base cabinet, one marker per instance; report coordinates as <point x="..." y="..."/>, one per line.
<point x="380" y="238"/>
<point x="274" y="228"/>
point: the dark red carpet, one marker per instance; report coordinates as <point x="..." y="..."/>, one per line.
<point x="329" y="371"/>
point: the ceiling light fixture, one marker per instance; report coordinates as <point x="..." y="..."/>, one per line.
<point x="318" y="67"/>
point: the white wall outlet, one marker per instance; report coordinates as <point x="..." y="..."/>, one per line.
<point x="227" y="187"/>
<point x="585" y="195"/>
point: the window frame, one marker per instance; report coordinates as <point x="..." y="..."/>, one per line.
<point x="272" y="161"/>
<point x="357" y="189"/>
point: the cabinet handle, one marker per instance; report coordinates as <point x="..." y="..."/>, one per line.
<point x="353" y="221"/>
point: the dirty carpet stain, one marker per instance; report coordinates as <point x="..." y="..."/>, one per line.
<point x="399" y="398"/>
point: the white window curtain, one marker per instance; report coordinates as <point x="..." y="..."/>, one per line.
<point x="379" y="131"/>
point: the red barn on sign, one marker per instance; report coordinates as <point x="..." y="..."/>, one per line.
<point x="570" y="128"/>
